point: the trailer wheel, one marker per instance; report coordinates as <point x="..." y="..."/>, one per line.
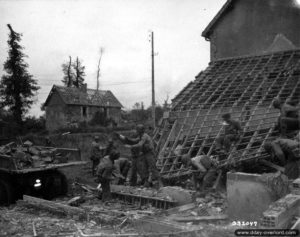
<point x="6" y="193"/>
<point x="64" y="184"/>
<point x="56" y="185"/>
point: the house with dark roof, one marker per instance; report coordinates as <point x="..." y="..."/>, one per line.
<point x="253" y="27"/>
<point x="70" y="105"/>
<point x="255" y="57"/>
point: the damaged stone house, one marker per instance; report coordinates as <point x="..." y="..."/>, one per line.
<point x="255" y="56"/>
<point x="67" y="106"/>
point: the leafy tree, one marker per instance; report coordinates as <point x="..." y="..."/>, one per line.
<point x="17" y="87"/>
<point x="68" y="73"/>
<point x="79" y="73"/>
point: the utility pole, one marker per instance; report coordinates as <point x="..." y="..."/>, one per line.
<point x="152" y="73"/>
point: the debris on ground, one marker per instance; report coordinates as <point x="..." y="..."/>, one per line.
<point x="29" y="156"/>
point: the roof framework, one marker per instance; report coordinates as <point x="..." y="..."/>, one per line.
<point x="243" y="86"/>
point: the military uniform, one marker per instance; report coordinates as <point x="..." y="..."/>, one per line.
<point x="204" y="171"/>
<point x="96" y="155"/>
<point x="138" y="167"/>
<point x="232" y="133"/>
<point x="146" y="145"/>
<point x="289" y="119"/>
<point x="122" y="166"/>
<point x="104" y="173"/>
<point x="287" y="151"/>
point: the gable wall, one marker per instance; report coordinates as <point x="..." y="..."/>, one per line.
<point x="250" y="27"/>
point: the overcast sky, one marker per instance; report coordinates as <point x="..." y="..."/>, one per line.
<point x="53" y="30"/>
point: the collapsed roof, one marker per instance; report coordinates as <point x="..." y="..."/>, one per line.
<point x="243" y="86"/>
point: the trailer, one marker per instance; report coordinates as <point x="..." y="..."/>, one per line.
<point x="40" y="179"/>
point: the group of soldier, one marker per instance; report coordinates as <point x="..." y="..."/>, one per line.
<point x="109" y="167"/>
<point x="285" y="151"/>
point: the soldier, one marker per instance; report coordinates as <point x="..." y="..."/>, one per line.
<point x="110" y="147"/>
<point x="145" y="144"/>
<point x="138" y="167"/>
<point x="287" y="153"/>
<point x="138" y="164"/>
<point x="204" y="170"/>
<point x="289" y="115"/>
<point x="232" y="133"/>
<point x="104" y="173"/>
<point x="122" y="166"/>
<point x="96" y="154"/>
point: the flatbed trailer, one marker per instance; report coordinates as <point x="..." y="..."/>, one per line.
<point x="44" y="180"/>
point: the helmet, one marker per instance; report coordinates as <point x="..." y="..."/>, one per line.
<point x="140" y="128"/>
<point x="268" y="146"/>
<point x="276" y="102"/>
<point x="114" y="155"/>
<point x="226" y="116"/>
<point x="185" y="159"/>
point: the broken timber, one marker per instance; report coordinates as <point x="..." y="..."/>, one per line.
<point x="53" y="207"/>
<point x="243" y="86"/>
<point x="197" y="219"/>
<point x="144" y="200"/>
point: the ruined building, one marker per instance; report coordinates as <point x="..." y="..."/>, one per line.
<point x="255" y="56"/>
<point x="70" y="105"/>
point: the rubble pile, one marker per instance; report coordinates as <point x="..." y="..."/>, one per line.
<point x="141" y="191"/>
<point x="29" y="156"/>
<point x="212" y="205"/>
<point x="114" y="217"/>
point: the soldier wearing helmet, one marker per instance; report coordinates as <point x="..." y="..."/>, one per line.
<point x="144" y="143"/>
<point x="96" y="153"/>
<point x="289" y="119"/>
<point x="286" y="152"/>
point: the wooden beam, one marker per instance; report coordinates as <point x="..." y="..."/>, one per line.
<point x="270" y="164"/>
<point x="52" y="207"/>
<point x="197" y="219"/>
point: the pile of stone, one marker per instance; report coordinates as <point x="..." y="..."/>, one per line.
<point x="29" y="156"/>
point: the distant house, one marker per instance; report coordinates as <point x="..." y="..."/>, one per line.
<point x="253" y="27"/>
<point x="70" y="105"/>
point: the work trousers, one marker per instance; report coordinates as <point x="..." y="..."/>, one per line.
<point x="105" y="185"/>
<point x="95" y="163"/>
<point x="151" y="166"/>
<point x="225" y="141"/>
<point x="288" y="124"/>
<point x="292" y="169"/>
<point x="138" y="167"/>
<point x="205" y="179"/>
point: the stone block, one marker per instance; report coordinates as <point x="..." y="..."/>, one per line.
<point x="247" y="196"/>
<point x="178" y="194"/>
<point x="280" y="214"/>
<point x="296" y="187"/>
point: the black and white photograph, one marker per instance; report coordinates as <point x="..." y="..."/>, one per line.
<point x="128" y="118"/>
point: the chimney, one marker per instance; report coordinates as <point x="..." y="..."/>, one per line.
<point x="83" y="88"/>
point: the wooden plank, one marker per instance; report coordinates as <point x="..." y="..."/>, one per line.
<point x="181" y="208"/>
<point x="52" y="207"/>
<point x="49" y="167"/>
<point x="196" y="219"/>
<point x="270" y="164"/>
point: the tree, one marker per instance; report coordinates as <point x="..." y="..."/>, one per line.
<point x="68" y="73"/>
<point x="17" y="87"/>
<point x="79" y="73"/>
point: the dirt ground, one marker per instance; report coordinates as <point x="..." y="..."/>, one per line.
<point x="115" y="217"/>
